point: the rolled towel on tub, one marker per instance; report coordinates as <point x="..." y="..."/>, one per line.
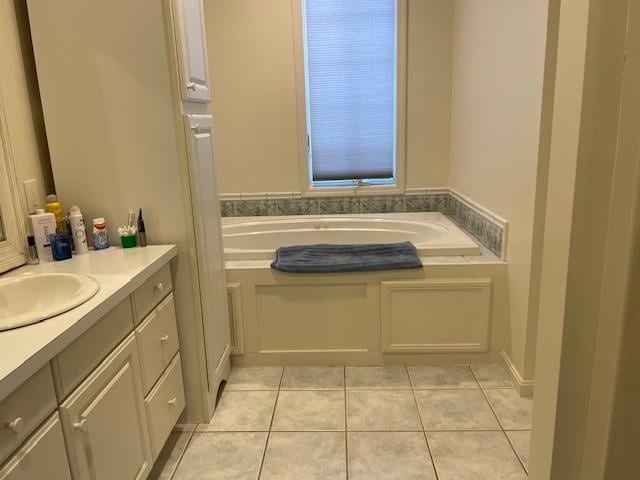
<point x="328" y="258"/>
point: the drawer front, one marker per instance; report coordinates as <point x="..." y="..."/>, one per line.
<point x="42" y="456"/>
<point x="147" y="296"/>
<point x="165" y="404"/>
<point x="77" y="361"/>
<point x="158" y="341"/>
<point x="24" y="409"/>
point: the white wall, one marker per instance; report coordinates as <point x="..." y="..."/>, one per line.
<point x="251" y="57"/>
<point x="20" y="95"/>
<point x="499" y="48"/>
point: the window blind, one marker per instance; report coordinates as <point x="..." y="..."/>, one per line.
<point x="350" y="62"/>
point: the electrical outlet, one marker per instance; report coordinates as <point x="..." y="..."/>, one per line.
<point x="32" y="193"/>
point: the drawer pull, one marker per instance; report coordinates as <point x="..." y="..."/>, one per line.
<point x="191" y="85"/>
<point x="16" y="425"/>
<point x="173" y="402"/>
<point x="164" y="339"/>
<point x="159" y="287"/>
<point x="81" y="425"/>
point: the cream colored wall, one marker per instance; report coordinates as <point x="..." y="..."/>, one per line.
<point x="21" y="98"/>
<point x="252" y="64"/>
<point x="499" y="49"/>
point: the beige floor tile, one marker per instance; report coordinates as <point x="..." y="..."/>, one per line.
<point x="474" y="456"/>
<point x="254" y="378"/>
<point x="442" y="376"/>
<point x="313" y="378"/>
<point x="492" y="375"/>
<point x="242" y="412"/>
<point x="455" y="410"/>
<point x="377" y="378"/>
<point x="309" y="411"/>
<point x="305" y="456"/>
<point x="168" y="458"/>
<point x="389" y="456"/>
<point x="521" y="441"/>
<point x="388" y="410"/>
<point x="513" y="411"/>
<point x="222" y="456"/>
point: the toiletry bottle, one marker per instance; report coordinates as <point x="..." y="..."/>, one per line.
<point x="54" y="206"/>
<point x="100" y="237"/>
<point x="61" y="244"/>
<point x="141" y="229"/>
<point x="32" y="251"/>
<point x="43" y="224"/>
<point x="77" y="230"/>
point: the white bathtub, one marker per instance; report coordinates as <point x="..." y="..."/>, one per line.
<point x="256" y="238"/>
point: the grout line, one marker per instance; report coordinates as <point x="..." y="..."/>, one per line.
<point x="515" y="451"/>
<point x="501" y="425"/>
<point x="424" y="432"/>
<point x="273" y="415"/>
<point x="175" y="468"/>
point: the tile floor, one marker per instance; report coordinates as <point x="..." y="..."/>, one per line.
<point x="306" y="423"/>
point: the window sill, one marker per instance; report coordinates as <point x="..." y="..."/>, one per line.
<point x="355" y="191"/>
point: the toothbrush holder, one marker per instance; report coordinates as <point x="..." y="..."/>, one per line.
<point x="128" y="241"/>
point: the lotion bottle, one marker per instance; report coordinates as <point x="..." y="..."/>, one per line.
<point x="78" y="230"/>
<point x="42" y="225"/>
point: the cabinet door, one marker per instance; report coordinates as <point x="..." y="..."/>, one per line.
<point x="42" y="456"/>
<point x="105" y="423"/>
<point x="192" y="50"/>
<point x="206" y="212"/>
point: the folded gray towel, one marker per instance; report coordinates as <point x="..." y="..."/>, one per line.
<point x="326" y="258"/>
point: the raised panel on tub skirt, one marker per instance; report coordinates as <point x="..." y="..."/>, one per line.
<point x="312" y="318"/>
<point x="436" y="315"/>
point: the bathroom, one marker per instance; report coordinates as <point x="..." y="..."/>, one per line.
<point x="508" y="354"/>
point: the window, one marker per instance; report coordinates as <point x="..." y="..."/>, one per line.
<point x="351" y="91"/>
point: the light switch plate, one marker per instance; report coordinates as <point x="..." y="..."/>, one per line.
<point x="32" y="193"/>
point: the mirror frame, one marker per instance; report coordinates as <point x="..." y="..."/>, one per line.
<point x="13" y="246"/>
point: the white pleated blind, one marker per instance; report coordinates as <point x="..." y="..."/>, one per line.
<point x="350" y="61"/>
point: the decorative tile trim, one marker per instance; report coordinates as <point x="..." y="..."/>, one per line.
<point x="489" y="229"/>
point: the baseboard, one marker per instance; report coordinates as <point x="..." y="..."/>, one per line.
<point x="524" y="387"/>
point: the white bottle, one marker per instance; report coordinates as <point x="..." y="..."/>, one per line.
<point x="42" y="225"/>
<point x="77" y="230"/>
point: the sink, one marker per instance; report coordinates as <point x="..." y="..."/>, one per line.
<point x="31" y="298"/>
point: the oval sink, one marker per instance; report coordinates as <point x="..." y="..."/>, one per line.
<point x="32" y="298"/>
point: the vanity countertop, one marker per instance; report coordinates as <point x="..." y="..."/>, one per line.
<point x="24" y="350"/>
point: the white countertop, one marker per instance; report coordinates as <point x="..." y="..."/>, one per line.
<point x="24" y="350"/>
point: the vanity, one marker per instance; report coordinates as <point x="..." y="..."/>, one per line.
<point x="94" y="392"/>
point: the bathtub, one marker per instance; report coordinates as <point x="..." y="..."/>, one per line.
<point x="257" y="238"/>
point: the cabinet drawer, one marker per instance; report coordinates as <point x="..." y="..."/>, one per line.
<point x="158" y="341"/>
<point x="76" y="362"/>
<point x="42" y="456"/>
<point x="165" y="404"/>
<point x="149" y="294"/>
<point x="24" y="409"/>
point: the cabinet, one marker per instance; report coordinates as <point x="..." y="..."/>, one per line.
<point x="42" y="456"/>
<point x="206" y="211"/>
<point x="192" y="50"/>
<point x="105" y="420"/>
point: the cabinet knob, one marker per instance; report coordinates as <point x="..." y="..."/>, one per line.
<point x="159" y="287"/>
<point x="195" y="127"/>
<point x="164" y="339"/>
<point x="81" y="425"/>
<point x="173" y="402"/>
<point x="191" y="86"/>
<point x="16" y="425"/>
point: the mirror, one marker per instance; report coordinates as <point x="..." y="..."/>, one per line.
<point x="12" y="227"/>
